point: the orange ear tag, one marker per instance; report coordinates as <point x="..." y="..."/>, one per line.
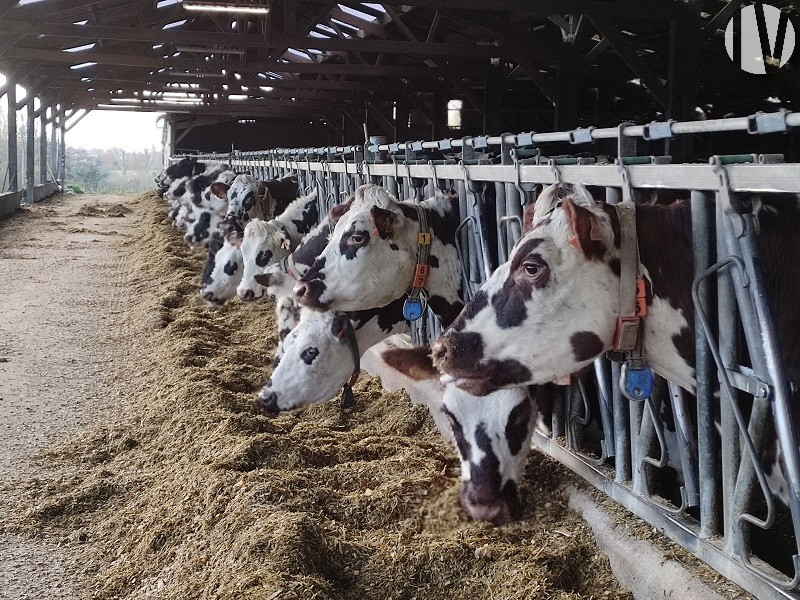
<point x="641" y="298"/>
<point x="574" y="242"/>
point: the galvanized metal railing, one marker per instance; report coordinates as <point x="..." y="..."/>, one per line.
<point x="715" y="511"/>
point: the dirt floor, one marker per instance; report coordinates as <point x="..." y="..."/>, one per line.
<point x="134" y="464"/>
<point x="60" y="286"/>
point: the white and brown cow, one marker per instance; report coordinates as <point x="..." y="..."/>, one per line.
<point x="371" y="258"/>
<point x="553" y="307"/>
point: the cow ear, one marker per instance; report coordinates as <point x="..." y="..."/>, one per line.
<point x="264" y="279"/>
<point x="527" y="218"/>
<point x="282" y="240"/>
<point x="589" y="232"/>
<point x="415" y="363"/>
<point x="234" y="238"/>
<point x="386" y="221"/>
<point x="338" y="211"/>
<point x="220" y="190"/>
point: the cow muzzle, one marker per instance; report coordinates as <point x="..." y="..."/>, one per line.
<point x="488" y="503"/>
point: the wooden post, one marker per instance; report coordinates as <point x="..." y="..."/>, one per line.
<point x="13" y="163"/>
<point x="30" y="152"/>
<point x="62" y="149"/>
<point x="43" y="147"/>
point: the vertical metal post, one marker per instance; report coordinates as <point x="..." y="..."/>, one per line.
<point x="622" y="428"/>
<point x="13" y="162"/>
<point x="30" y="152"/>
<point x="705" y="374"/>
<point x="730" y="442"/>
<point x="43" y="147"/>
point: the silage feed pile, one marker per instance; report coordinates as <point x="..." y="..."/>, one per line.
<point x="192" y="493"/>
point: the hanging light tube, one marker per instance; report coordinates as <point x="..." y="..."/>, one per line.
<point x="203" y="6"/>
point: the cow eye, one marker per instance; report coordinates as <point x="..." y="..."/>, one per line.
<point x="357" y="238"/>
<point x="532" y="268"/>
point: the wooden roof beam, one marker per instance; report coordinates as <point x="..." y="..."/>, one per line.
<point x="177" y="64"/>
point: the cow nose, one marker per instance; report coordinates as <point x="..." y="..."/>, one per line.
<point x="481" y="503"/>
<point x="208" y="296"/>
<point x="300" y="290"/>
<point x="249" y="295"/>
<point x="268" y="400"/>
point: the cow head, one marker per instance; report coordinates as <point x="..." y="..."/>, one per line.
<point x="547" y="312"/>
<point x="315" y="362"/>
<point x="202" y="223"/>
<point x="223" y="271"/>
<point x="241" y="198"/>
<point x="491" y="434"/>
<point x="369" y="260"/>
<point x="264" y="243"/>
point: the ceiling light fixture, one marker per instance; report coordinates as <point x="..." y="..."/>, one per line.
<point x="202" y="6"/>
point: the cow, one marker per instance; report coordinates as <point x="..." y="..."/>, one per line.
<point x="553" y="307"/>
<point x="371" y="258"/>
<point x="186" y="167"/>
<point x="492" y="434"/>
<point x="205" y="216"/>
<point x="249" y="198"/>
<point x="222" y="271"/>
<point x="321" y="353"/>
<point x="187" y="195"/>
<point x="267" y="242"/>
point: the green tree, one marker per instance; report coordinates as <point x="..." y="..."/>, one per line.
<point x="86" y="169"/>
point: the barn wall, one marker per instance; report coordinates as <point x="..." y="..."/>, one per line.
<point x="264" y="133"/>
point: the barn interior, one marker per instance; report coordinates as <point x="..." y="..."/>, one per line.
<point x="259" y="75"/>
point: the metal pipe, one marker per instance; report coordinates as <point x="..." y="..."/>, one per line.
<point x="705" y="374"/>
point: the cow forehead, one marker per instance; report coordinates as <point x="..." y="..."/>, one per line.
<point x="492" y="410"/>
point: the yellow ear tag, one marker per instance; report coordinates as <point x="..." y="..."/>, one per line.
<point x="424" y="239"/>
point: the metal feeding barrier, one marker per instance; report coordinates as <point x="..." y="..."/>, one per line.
<point x="702" y="484"/>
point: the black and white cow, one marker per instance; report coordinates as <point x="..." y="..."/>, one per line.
<point x="268" y="242"/>
<point x="492" y="434"/>
<point x="186" y="167"/>
<point x="250" y="198"/>
<point x="223" y="270"/>
<point x="317" y="356"/>
<point x="371" y="258"/>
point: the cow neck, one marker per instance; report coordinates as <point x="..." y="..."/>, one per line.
<point x="346" y="398"/>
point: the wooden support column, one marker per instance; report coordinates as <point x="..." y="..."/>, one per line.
<point x="62" y="149"/>
<point x="13" y="163"/>
<point x="43" y="146"/>
<point x="493" y="103"/>
<point x="684" y="42"/>
<point x="55" y="115"/>
<point x="439" y="121"/>
<point x="402" y="113"/>
<point x="566" y="113"/>
<point x="30" y="152"/>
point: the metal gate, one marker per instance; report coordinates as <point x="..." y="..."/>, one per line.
<point x="721" y="510"/>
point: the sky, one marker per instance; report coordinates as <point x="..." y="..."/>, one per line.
<point x="116" y="129"/>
